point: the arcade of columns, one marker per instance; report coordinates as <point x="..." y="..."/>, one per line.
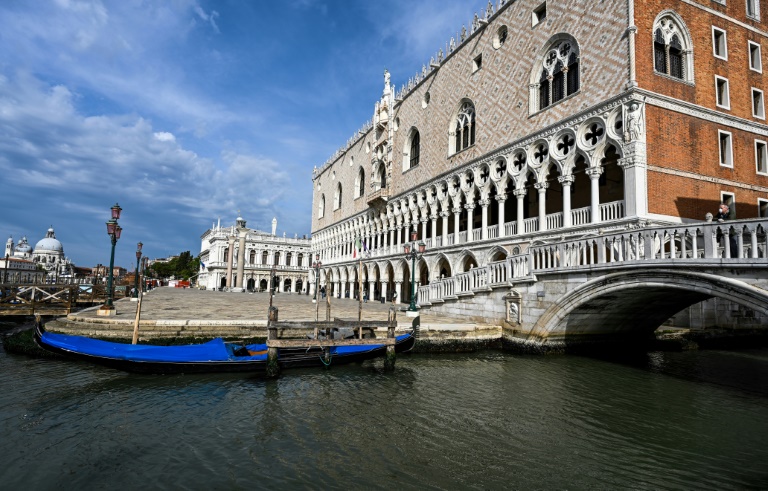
<point x="598" y="140"/>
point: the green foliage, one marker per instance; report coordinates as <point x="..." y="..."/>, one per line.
<point x="184" y="266"/>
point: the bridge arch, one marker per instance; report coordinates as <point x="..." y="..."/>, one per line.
<point x="635" y="303"/>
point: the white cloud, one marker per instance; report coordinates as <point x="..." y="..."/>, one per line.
<point x="164" y="136"/>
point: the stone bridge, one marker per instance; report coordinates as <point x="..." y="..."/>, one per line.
<point x="617" y="285"/>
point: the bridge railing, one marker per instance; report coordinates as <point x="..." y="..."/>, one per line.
<point x="728" y="241"/>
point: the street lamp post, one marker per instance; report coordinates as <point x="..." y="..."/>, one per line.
<point x="113" y="230"/>
<point x="410" y="253"/>
<point x="136" y="282"/>
<point x="316" y="266"/>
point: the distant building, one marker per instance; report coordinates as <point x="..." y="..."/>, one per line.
<point x="238" y="258"/>
<point x="15" y="270"/>
<point x="48" y="253"/>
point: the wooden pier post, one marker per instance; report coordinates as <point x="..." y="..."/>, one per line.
<point x="273" y="364"/>
<point x="391" y="357"/>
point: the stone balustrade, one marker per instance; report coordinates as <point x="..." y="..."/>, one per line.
<point x="701" y="243"/>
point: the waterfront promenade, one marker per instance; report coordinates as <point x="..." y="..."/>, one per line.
<point x="190" y="312"/>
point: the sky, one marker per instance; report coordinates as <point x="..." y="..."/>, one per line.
<point x="188" y="111"/>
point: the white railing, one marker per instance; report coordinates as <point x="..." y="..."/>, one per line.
<point x="555" y="220"/>
<point x="611" y="211"/>
<point x="493" y="232"/>
<point x="429" y="243"/>
<point x="450" y="240"/>
<point x="439" y="241"/>
<point x="510" y="228"/>
<point x="463" y="237"/>
<point x="463" y="282"/>
<point x="477" y="234"/>
<point x="497" y="273"/>
<point x="580" y="216"/>
<point x="531" y="225"/>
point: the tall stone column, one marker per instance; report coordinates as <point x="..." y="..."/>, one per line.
<point x="445" y="215"/>
<point x="230" y="260"/>
<point x="457" y="220"/>
<point x="501" y="199"/>
<point x="566" y="182"/>
<point x="542" y="188"/>
<point x="520" y="195"/>
<point x="484" y="231"/>
<point x="241" y="261"/>
<point x="594" y="181"/>
<point x="470" y="207"/>
<point x="398" y="285"/>
<point x="391" y="239"/>
<point x="384" y="290"/>
<point x="371" y="289"/>
<point x="424" y="228"/>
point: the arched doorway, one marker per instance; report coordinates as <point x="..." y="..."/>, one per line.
<point x="287" y="285"/>
<point x="300" y="286"/>
<point x="251" y="285"/>
<point x="263" y="285"/>
<point x="468" y="263"/>
<point x="223" y="282"/>
<point x="443" y="268"/>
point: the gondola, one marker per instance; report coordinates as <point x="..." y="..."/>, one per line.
<point x="214" y="356"/>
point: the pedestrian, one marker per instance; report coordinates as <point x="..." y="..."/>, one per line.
<point x="723" y="214"/>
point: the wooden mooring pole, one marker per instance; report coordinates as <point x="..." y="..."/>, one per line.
<point x="137" y="320"/>
<point x="273" y="365"/>
<point x="391" y="357"/>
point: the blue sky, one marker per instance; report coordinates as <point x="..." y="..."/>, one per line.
<point x="185" y="111"/>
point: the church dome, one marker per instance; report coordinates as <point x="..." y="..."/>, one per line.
<point x="23" y="247"/>
<point x="49" y="243"/>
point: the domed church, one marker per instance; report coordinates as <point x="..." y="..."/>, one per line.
<point x="48" y="252"/>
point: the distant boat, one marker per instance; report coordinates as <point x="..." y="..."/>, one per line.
<point x="214" y="356"/>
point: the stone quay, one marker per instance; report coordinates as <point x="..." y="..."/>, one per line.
<point x="168" y="313"/>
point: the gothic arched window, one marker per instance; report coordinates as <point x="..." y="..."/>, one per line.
<point x="672" y="54"/>
<point x="360" y="183"/>
<point x="337" y="198"/>
<point x="464" y="128"/>
<point x="557" y="77"/>
<point x="321" y="207"/>
<point x="415" y="149"/>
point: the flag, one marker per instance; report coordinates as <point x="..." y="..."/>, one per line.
<point x="356" y="248"/>
<point x="202" y="264"/>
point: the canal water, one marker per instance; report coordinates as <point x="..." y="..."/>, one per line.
<point x="489" y="420"/>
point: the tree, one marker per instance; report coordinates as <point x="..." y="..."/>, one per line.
<point x="184" y="266"/>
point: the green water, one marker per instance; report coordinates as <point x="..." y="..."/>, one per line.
<point x="491" y="420"/>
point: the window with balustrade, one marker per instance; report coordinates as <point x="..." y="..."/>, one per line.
<point x="556" y="73"/>
<point x="462" y="134"/>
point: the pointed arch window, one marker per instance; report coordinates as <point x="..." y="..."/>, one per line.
<point x="464" y="129"/>
<point x="415" y="149"/>
<point x="321" y="207"/>
<point x="558" y="75"/>
<point x="337" y="198"/>
<point x="360" y="183"/>
<point x="672" y="54"/>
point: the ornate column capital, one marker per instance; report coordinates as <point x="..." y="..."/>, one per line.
<point x="565" y="180"/>
<point x="594" y="172"/>
<point x="520" y="193"/>
<point x="484" y="202"/>
<point x="501" y="197"/>
<point x="541" y="186"/>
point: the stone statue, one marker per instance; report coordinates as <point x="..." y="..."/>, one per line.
<point x="514" y="312"/>
<point x="634" y="122"/>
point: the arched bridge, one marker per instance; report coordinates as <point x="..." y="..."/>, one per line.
<point x="617" y="285"/>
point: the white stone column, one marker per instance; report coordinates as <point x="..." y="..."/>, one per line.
<point x="501" y="198"/>
<point x="384" y="290"/>
<point x="445" y="215"/>
<point x="520" y="195"/>
<point x="424" y="228"/>
<point x="241" y="260"/>
<point x="398" y="285"/>
<point x="230" y="260"/>
<point x="635" y="183"/>
<point x="470" y="207"/>
<point x="371" y="289"/>
<point x="434" y="229"/>
<point x="457" y="219"/>
<point x="566" y="182"/>
<point x="594" y="181"/>
<point x="484" y="205"/>
<point x="542" y="188"/>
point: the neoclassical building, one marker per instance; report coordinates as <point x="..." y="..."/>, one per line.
<point x="48" y="253"/>
<point x="542" y="120"/>
<point x="238" y="258"/>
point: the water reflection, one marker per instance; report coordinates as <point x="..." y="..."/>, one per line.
<point x="485" y="420"/>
